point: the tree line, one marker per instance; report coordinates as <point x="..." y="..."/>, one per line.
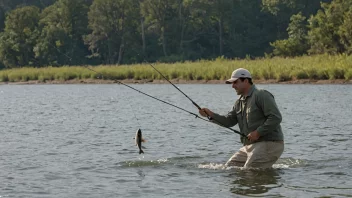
<point x="77" y="32"/>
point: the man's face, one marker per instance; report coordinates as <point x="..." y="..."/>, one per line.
<point x="239" y="86"/>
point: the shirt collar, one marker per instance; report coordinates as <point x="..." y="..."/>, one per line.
<point x="249" y="92"/>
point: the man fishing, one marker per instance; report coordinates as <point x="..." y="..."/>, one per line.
<point x="259" y="120"/>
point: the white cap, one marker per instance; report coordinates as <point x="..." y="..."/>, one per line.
<point x="238" y="73"/>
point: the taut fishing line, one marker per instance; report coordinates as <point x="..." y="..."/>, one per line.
<point x="195" y="104"/>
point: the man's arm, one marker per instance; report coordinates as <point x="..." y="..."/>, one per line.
<point x="228" y="120"/>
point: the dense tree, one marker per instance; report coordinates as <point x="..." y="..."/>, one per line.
<point x="7" y="5"/>
<point x="76" y="32"/>
<point x="345" y="31"/>
<point x="329" y="28"/>
<point x="19" y="37"/>
<point x="113" y="24"/>
<point x="250" y="29"/>
<point x="193" y="25"/>
<point x="62" y="26"/>
<point x="284" y="9"/>
<point x="161" y="13"/>
<point x="297" y="43"/>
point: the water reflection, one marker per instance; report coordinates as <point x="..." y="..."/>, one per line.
<point x="254" y="181"/>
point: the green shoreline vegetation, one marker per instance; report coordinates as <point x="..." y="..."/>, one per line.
<point x="320" y="67"/>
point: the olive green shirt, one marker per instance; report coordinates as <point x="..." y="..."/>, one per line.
<point x="257" y="111"/>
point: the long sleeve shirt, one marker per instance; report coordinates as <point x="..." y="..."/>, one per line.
<point x="256" y="111"/>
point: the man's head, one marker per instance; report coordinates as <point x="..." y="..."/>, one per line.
<point x="241" y="80"/>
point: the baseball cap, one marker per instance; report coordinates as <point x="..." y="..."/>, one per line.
<point x="238" y="73"/>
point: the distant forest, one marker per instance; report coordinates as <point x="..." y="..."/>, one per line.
<point x="39" y="33"/>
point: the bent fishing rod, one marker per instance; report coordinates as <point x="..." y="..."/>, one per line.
<point x="209" y="118"/>
<point x="195" y="104"/>
<point x="119" y="82"/>
<point x="101" y="75"/>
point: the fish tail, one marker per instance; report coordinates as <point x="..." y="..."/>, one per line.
<point x="141" y="151"/>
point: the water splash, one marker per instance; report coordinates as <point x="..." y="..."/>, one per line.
<point x="289" y="163"/>
<point x="281" y="166"/>
<point x="141" y="163"/>
<point x="184" y="161"/>
<point x="213" y="166"/>
<point x="284" y="163"/>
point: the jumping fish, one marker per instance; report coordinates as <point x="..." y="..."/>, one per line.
<point x="139" y="140"/>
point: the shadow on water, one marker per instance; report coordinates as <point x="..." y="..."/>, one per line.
<point x="254" y="181"/>
<point x="258" y="182"/>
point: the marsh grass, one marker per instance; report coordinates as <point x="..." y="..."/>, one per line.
<point x="320" y="67"/>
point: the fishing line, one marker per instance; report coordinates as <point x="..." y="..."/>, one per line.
<point x="219" y="123"/>
<point x="139" y="124"/>
<point x="101" y="77"/>
<point x="148" y="95"/>
<point x="195" y="104"/>
<point x="121" y="83"/>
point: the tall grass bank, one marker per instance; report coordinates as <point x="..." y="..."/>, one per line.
<point x="323" y="67"/>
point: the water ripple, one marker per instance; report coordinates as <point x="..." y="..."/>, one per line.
<point x="76" y="141"/>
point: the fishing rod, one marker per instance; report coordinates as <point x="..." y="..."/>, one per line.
<point x="148" y="95"/>
<point x="209" y="118"/>
<point x="195" y="104"/>
<point x="101" y="75"/>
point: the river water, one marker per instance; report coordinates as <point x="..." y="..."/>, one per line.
<point x="77" y="141"/>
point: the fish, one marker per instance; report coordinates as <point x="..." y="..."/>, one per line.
<point x="139" y="140"/>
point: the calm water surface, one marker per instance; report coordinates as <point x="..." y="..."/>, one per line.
<point x="77" y="141"/>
